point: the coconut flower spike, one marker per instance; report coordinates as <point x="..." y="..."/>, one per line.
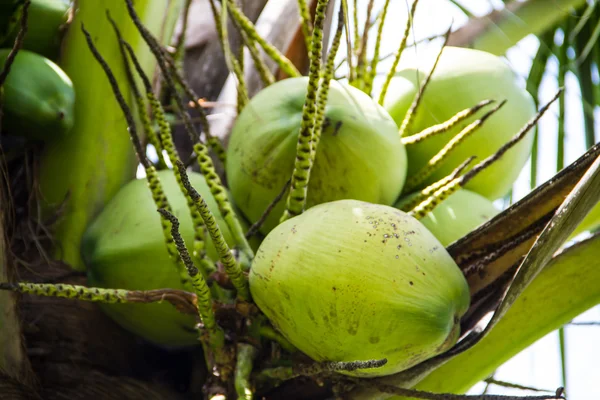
<point x="401" y="47"/>
<point x="435" y="161"/>
<point x="296" y="200"/>
<point x="196" y="102"/>
<point x="167" y="140"/>
<point x="429" y="190"/>
<point x="282" y="61"/>
<point x="205" y="303"/>
<point x="239" y="281"/>
<point x="324" y="90"/>
<point x="204" y="161"/>
<point x="139" y="99"/>
<point x="444" y="126"/>
<point x="410" y="114"/>
<point x="372" y="72"/>
<point x="154" y="184"/>
<point x="184" y="301"/>
<point x="440" y="195"/>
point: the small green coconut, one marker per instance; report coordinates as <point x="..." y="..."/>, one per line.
<point x="124" y="248"/>
<point x="360" y="155"/>
<point x="39" y="99"/>
<point x="462" y="79"/>
<point x="456" y="216"/>
<point x="355" y="281"/>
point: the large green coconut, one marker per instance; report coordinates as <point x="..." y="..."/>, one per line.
<point x="125" y="248"/>
<point x="462" y="79"/>
<point x="354" y="281"/>
<point x="360" y="155"/>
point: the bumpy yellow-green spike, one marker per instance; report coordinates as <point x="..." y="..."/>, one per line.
<point x="375" y="60"/>
<point x="324" y="90"/>
<point x="69" y="291"/>
<point x="139" y="99"/>
<point x="434" y="200"/>
<point x="158" y="194"/>
<point x="410" y="114"/>
<point x="204" y="161"/>
<point x="444" y="126"/>
<point x="205" y="310"/>
<point x="233" y="63"/>
<point x="169" y="147"/>
<point x="214" y="342"/>
<point x="306" y="23"/>
<point x="185" y="302"/>
<point x="361" y="55"/>
<point x="282" y="61"/>
<point x="399" y="52"/>
<point x="429" y="190"/>
<point x="196" y="102"/>
<point x="441" y="194"/>
<point x="434" y="163"/>
<point x="239" y="281"/>
<point x="263" y="70"/>
<point x="296" y="200"/>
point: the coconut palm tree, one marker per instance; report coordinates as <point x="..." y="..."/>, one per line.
<point x="54" y="348"/>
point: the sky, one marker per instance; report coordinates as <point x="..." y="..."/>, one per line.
<point x="539" y="366"/>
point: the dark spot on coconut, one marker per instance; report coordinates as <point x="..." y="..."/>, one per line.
<point x="334" y="288"/>
<point x="325" y="319"/>
<point x="337" y="127"/>
<point x="286" y="295"/>
<point x="374" y="339"/>
<point x="411" y="283"/>
<point x="353" y="329"/>
<point x="339" y="251"/>
<point x="397" y="256"/>
<point x="311" y="316"/>
<point x="294" y="229"/>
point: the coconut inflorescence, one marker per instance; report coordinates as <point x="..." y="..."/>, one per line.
<point x="355" y="281"/>
<point x="455" y="216"/>
<point x="462" y="79"/>
<point x="125" y="248"/>
<point x="353" y="277"/>
<point x="359" y="156"/>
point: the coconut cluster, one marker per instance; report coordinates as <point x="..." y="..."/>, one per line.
<point x="352" y="278"/>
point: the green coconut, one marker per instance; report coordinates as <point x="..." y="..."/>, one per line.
<point x="38" y="100"/>
<point x="456" y="216"/>
<point x="355" y="281"/>
<point x="462" y="79"/>
<point x="44" y="26"/>
<point x="125" y="248"/>
<point x="360" y="155"/>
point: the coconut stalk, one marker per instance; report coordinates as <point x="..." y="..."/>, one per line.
<point x="81" y="172"/>
<point x="502" y="29"/>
